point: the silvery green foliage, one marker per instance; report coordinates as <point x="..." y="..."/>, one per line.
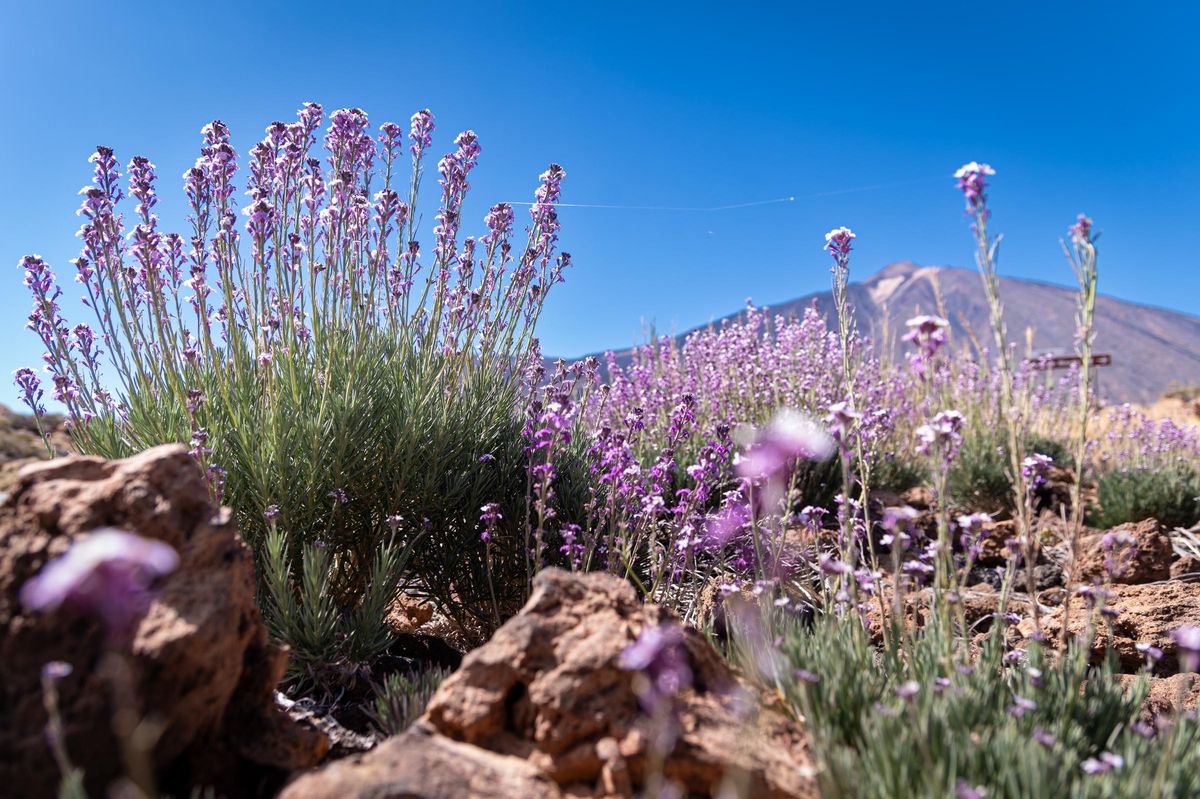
<point x="315" y="358"/>
<point x="401" y="699"/>
<point x="926" y="720"/>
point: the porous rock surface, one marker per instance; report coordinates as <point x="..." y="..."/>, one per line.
<point x="200" y="659"/>
<point x="1167" y="695"/>
<point x="1148" y="614"/>
<point x="1150" y="561"/>
<point x="545" y="710"/>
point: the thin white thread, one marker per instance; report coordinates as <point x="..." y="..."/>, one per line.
<point x="789" y="199"/>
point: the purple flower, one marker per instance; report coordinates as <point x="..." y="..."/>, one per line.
<point x="908" y="689"/>
<point x="897" y="521"/>
<point x="941" y="435"/>
<point x="107" y="575"/>
<point x="830" y="564"/>
<point x="1081" y="231"/>
<point x="1020" y="706"/>
<point x="1143" y="729"/>
<point x="806" y="676"/>
<point x="963" y="790"/>
<point x="141" y="184"/>
<point x="1103" y="763"/>
<point x="972" y="182"/>
<point x="421" y="132"/>
<point x="1187" y="639"/>
<point x="789" y="437"/>
<point x="1152" y="653"/>
<point x="841" y="419"/>
<point x="659" y="655"/>
<point x="927" y="334"/>
<point x="837" y="242"/>
<point x="271" y="512"/>
<point x="338" y="495"/>
<point x="1036" y="468"/>
<point x="1120" y="550"/>
<point x="56" y="670"/>
<point x="1043" y="737"/>
<point x="30" y="385"/>
<point x="490" y="516"/>
<point x="499" y="221"/>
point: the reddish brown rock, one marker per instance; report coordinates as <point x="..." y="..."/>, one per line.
<point x="1167" y="695"/>
<point x="200" y="659"/>
<point x="992" y="550"/>
<point x="1148" y="561"/>
<point x="545" y="703"/>
<point x="407" y="613"/>
<point x="422" y="765"/>
<point x="1148" y="614"/>
<point x="1188" y="564"/>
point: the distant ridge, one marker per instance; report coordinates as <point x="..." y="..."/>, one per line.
<point x="1152" y="348"/>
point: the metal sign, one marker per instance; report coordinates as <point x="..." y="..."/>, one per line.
<point x="1068" y="361"/>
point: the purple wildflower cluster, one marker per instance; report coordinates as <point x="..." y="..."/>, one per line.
<point x="326" y="254"/>
<point x="1133" y="441"/>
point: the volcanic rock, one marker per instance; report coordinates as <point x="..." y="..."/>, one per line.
<point x="1188" y="564"/>
<point x="546" y="707"/>
<point x="1150" y="560"/>
<point x="1148" y="614"/>
<point x="199" y="661"/>
<point x="420" y="764"/>
<point x="1167" y="695"/>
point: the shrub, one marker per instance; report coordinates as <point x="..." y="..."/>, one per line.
<point x="979" y="477"/>
<point x="330" y="641"/>
<point x="1146" y="468"/>
<point x="322" y="373"/>
<point x="1172" y="496"/>
<point x="401" y="699"/>
<point x="899" y="474"/>
<point x="887" y="724"/>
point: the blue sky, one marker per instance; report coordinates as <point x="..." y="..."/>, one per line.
<point x="1080" y="107"/>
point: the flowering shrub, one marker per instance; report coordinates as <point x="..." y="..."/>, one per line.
<point x="326" y="373"/>
<point x="1146" y="469"/>
<point x="1000" y="724"/>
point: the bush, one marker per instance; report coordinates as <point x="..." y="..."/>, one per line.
<point x="1172" y="496"/>
<point x="888" y="724"/>
<point x="329" y="640"/>
<point x="979" y="478"/>
<point x="401" y="699"/>
<point x="1146" y="468"/>
<point x="318" y="379"/>
<point x="899" y="474"/>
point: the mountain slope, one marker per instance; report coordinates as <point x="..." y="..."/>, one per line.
<point x="1151" y="348"/>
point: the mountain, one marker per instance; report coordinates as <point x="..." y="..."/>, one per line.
<point x="1152" y="348"/>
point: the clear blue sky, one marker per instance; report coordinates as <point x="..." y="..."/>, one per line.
<point x="1084" y="107"/>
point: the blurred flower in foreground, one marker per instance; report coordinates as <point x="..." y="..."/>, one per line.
<point x="1187" y="638"/>
<point x="659" y="657"/>
<point x="107" y="575"/>
<point x="789" y="437"/>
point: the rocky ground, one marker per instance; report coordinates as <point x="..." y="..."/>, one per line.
<point x="544" y="709"/>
